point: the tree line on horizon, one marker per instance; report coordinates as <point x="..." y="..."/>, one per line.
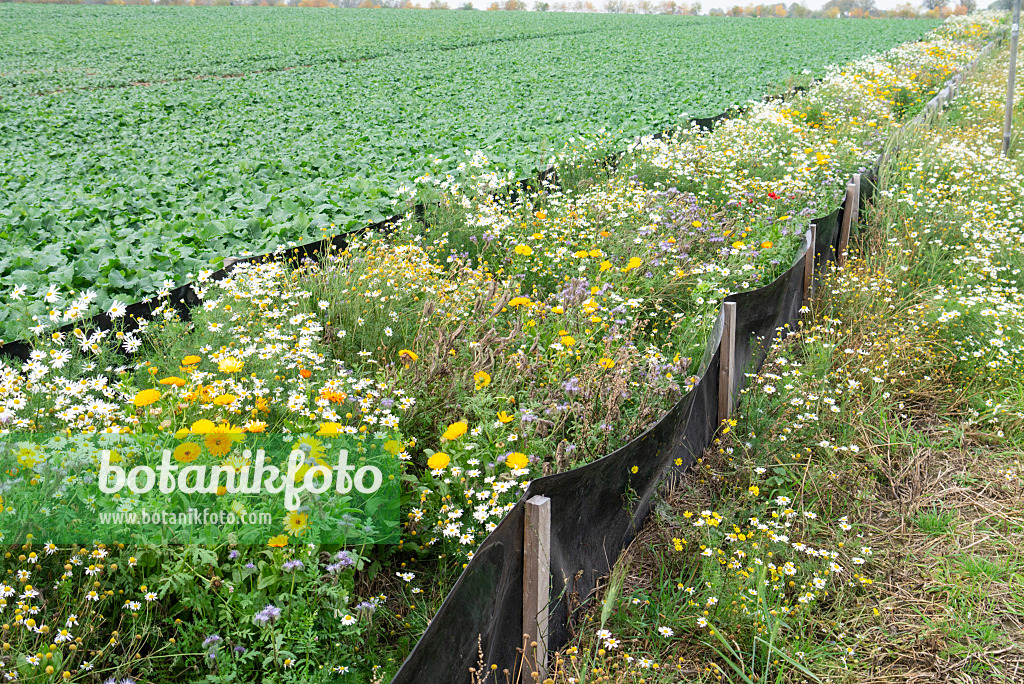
<point x="833" y="9"/>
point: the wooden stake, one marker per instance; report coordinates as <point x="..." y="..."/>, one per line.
<point x="727" y="365"/>
<point x="844" y="229"/>
<point x="809" y="267"/>
<point x="536" y="586"/>
<point x="1014" y="37"/>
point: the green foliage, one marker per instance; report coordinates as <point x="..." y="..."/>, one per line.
<point x="124" y="188"/>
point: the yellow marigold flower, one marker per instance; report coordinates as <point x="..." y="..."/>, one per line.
<point x="767" y="244"/>
<point x="329" y="430"/>
<point x="738" y="245"/>
<point x="605" y="265"/>
<point x="173" y="380"/>
<point x="455" y="430"/>
<point x="279" y="541"/>
<point x="754" y="489"/>
<point x="606" y="363"/>
<point x="230" y="364"/>
<point x="482" y="379"/>
<point x="224" y="399"/>
<point x="392" y="447"/>
<point x="190" y="360"/>
<point x="203" y="427"/>
<point x="634" y="262"/>
<point x="568" y="340"/>
<point x="438" y="461"/>
<point x="409" y="354"/>
<point x="146" y="397"/>
<point x="596" y="253"/>
<point x="557" y="310"/>
<point x="218" y="443"/>
<point x="517" y="460"/>
<point x="697" y="224"/>
<point x="296" y="523"/>
<point x="520" y="301"/>
<point x="186" y="452"/>
<point x="524" y="250"/>
<point x="504" y="417"/>
<point x="255" y="426"/>
<point x="541" y="215"/>
<point x="581" y="254"/>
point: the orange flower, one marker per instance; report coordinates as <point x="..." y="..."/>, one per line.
<point x="173" y="380"/>
<point x="305" y="373"/>
<point x="438" y="461"/>
<point x="278" y="542"/>
<point x="455" y="430"/>
<point x="517" y="460"/>
<point x="146" y="397"/>
<point x="186" y="452"/>
<point x="218" y="443"/>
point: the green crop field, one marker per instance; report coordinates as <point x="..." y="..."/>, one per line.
<point x="122" y="166"/>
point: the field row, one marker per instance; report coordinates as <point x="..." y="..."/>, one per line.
<point x="124" y="189"/>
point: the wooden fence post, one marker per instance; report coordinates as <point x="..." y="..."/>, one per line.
<point x="727" y="363"/>
<point x="850" y="214"/>
<point x="809" y="267"/>
<point x="536" y="587"/>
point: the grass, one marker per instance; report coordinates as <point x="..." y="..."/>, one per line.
<point x="884" y="434"/>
